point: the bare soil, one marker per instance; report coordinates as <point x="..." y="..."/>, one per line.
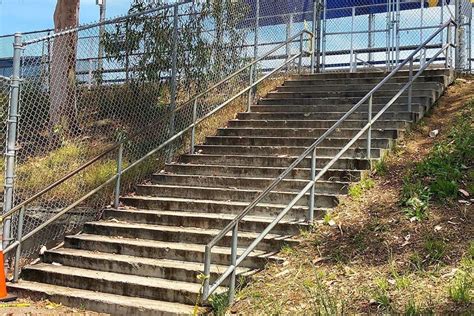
<point x="30" y="307"/>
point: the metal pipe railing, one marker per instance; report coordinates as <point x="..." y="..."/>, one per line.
<point x="208" y="288"/>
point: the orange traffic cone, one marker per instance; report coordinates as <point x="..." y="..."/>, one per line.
<point x="4" y="296"/>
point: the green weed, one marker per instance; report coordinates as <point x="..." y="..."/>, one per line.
<point x="435" y="249"/>
<point x="415" y="199"/>
<point x="380" y="294"/>
<point x="327" y="218"/>
<point x="381" y="167"/>
<point x="219" y="303"/>
<point x="320" y="297"/>
<point x="462" y="286"/>
<point x="357" y="189"/>
<point x="286" y="250"/>
<point x="416" y="261"/>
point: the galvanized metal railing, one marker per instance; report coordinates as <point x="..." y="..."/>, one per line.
<point x="118" y="147"/>
<point x="233" y="226"/>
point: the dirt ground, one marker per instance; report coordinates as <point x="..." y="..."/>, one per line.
<point x="373" y="258"/>
<point x="29" y="307"/>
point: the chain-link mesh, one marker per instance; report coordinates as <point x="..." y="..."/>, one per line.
<point x="84" y="89"/>
<point x="4" y="101"/>
<point x="364" y="34"/>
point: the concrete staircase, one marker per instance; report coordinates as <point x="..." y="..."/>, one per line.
<point x="145" y="257"/>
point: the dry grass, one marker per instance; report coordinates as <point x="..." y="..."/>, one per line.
<point x="376" y="260"/>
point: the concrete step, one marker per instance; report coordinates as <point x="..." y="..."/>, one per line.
<point x="331" y="115"/>
<point x="202" y="220"/>
<point x="112" y="304"/>
<point x="295" y="141"/>
<point x="376" y="74"/>
<point x="269" y="161"/>
<point x="391" y="124"/>
<point x="284" y="150"/>
<point x="182" y="234"/>
<point x="325" y="200"/>
<point x="298" y="212"/>
<point x="189" y="252"/>
<point x="345" y="175"/>
<point x="305" y="132"/>
<point x="343" y="86"/>
<point x="357" y="93"/>
<point x="114" y="283"/>
<point x="246" y="182"/>
<point x="129" y="265"/>
<point x="319" y="81"/>
<point x="308" y="105"/>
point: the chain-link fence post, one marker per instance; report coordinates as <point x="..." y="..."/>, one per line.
<point x="174" y="71"/>
<point x="460" y="44"/>
<point x="100" y="60"/>
<point x="11" y="136"/>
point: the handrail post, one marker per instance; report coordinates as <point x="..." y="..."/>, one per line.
<point x="12" y="124"/>
<point x="369" y="131"/>
<point x="313" y="187"/>
<point x="233" y="262"/>
<point x="207" y="272"/>
<point x="250" y="94"/>
<point x="300" y="59"/>
<point x="16" y="269"/>
<point x="119" y="177"/>
<point x="410" y="79"/>
<point x="193" y="130"/>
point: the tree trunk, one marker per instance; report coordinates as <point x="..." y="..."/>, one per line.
<point x="63" y="111"/>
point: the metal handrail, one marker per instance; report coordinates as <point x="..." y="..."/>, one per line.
<point x="119" y="145"/>
<point x="233" y="225"/>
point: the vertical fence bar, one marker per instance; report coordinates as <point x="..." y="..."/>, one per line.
<point x="323" y="55"/>
<point x="369" y="131"/>
<point x="352" y="68"/>
<point x="255" y="39"/>
<point x="289" y="26"/>
<point x="410" y="79"/>
<point x="448" y="50"/>
<point x="397" y="34"/>
<point x="250" y="93"/>
<point x="100" y="61"/>
<point x="313" y="30"/>
<point x="119" y="177"/>
<point x="233" y="262"/>
<point x="313" y="188"/>
<point x="193" y="130"/>
<point x="16" y="268"/>
<point x="370" y="39"/>
<point x="389" y="34"/>
<point x="300" y="59"/>
<point x="12" y="122"/>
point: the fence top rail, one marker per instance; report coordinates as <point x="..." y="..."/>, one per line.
<point x="115" y="146"/>
<point x="5" y="78"/>
<point x="106" y="22"/>
<point x="277" y="180"/>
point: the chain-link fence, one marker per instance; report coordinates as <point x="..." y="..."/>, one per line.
<point x="370" y="34"/>
<point x="131" y="78"/>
